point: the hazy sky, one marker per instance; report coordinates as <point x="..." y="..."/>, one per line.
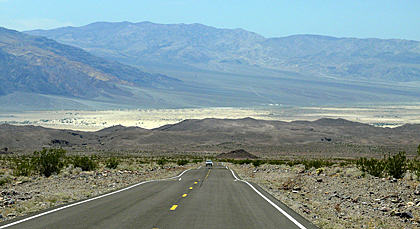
<point x="270" y="18"/>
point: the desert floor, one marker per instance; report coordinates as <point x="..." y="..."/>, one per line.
<point x="384" y="116"/>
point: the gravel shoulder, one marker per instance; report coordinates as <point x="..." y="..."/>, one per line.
<point x="340" y="197"/>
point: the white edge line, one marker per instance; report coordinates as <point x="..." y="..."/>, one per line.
<point x="271" y="202"/>
<point x="88" y="200"/>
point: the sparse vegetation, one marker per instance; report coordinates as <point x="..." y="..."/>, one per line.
<point x="161" y="161"/>
<point x="392" y="165"/>
<point x="112" y="162"/>
<point x="21" y="166"/>
<point x="182" y="162"/>
<point x="84" y="162"/>
<point x="48" y="161"/>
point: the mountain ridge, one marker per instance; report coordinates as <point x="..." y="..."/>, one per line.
<point x="208" y="47"/>
<point x="34" y="64"/>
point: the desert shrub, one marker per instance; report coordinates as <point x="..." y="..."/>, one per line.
<point x="197" y="161"/>
<point x="241" y="162"/>
<point x="21" y="166"/>
<point x="112" y="162"/>
<point x="5" y="178"/>
<point x="276" y="162"/>
<point x="48" y="161"/>
<point x="293" y="163"/>
<point x="182" y="162"/>
<point x="414" y="167"/>
<point x="372" y="166"/>
<point x="257" y="163"/>
<point x="161" y="161"/>
<point x="85" y="163"/>
<point x="396" y="165"/>
<point x="225" y="160"/>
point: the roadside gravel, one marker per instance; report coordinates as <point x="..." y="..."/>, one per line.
<point x="340" y="197"/>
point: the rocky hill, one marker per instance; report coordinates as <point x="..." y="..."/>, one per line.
<point x="211" y="48"/>
<point x="326" y="136"/>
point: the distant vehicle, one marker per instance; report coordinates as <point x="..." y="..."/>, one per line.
<point x="209" y="163"/>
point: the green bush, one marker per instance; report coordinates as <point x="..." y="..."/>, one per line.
<point x="414" y="166"/>
<point x="112" y="163"/>
<point x="84" y="162"/>
<point x="276" y="162"/>
<point x="396" y="165"/>
<point x="241" y="162"/>
<point x="372" y="166"/>
<point x="49" y="161"/>
<point x="161" y="161"/>
<point x="182" y="162"/>
<point x="21" y="166"/>
<point x="257" y="163"/>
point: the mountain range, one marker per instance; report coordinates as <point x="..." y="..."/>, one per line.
<point x="211" y="48"/>
<point x="107" y="65"/>
<point x="38" y="65"/>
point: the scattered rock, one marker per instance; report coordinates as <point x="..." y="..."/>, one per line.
<point x="355" y="200"/>
<point x="4" y="150"/>
<point x="384" y="209"/>
<point x="407" y="215"/>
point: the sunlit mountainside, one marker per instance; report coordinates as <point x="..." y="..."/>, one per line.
<point x="147" y="65"/>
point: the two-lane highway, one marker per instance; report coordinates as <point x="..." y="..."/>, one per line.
<point x="198" y="198"/>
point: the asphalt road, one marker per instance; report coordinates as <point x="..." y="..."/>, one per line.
<point x="199" y="198"/>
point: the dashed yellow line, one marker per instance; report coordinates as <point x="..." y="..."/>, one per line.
<point x="173" y="207"/>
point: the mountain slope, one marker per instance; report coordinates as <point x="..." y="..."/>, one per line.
<point x="210" y="48"/>
<point x="39" y="65"/>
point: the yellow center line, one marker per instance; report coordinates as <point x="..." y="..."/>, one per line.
<point x="184" y="195"/>
<point x="173" y="207"/>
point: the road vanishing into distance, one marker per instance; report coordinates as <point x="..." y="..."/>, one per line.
<point x="197" y="198"/>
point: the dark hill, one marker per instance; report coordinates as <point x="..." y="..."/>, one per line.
<point x="237" y="154"/>
<point x="326" y="136"/>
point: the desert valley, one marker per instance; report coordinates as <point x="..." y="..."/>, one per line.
<point x="328" y="126"/>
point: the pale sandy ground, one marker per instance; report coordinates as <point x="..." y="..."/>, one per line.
<point x="385" y="116"/>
